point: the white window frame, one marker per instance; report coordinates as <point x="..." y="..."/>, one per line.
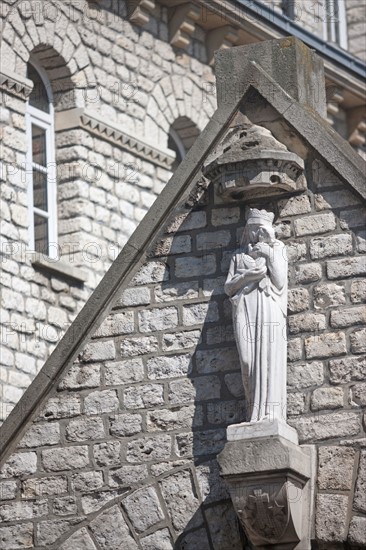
<point x="178" y="142"/>
<point x="45" y="121"/>
<point x="337" y="25"/>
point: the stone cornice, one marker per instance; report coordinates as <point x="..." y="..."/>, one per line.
<point x="95" y="124"/>
<point x="15" y="84"/>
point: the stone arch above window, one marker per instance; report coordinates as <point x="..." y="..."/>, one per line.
<point x="177" y="98"/>
<point x="54" y="40"/>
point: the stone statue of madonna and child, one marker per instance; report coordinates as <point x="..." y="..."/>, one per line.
<point x="257" y="286"/>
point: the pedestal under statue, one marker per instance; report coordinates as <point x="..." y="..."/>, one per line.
<point x="257" y="286"/>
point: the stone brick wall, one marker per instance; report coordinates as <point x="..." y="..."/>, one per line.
<point x="137" y="421"/>
<point x="127" y="76"/>
<point x="96" y="61"/>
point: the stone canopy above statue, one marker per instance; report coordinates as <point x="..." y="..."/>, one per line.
<point x="250" y="163"/>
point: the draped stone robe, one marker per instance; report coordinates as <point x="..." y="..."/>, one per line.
<point x="259" y="318"/>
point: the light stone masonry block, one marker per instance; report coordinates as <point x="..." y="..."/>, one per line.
<point x="99" y="351"/>
<point x="335" y="470"/>
<point x="196" y="314"/>
<point x="325" y="345"/>
<point x="44" y="486"/>
<point x="327" y="426"/>
<point x="80" y="540"/>
<point x="187" y="222"/>
<point x="160" y="539"/>
<point x="295" y="403"/>
<point x="41" y="434"/>
<point x="145" y="449"/>
<point x="19" y="464"/>
<point x="116" y="324"/>
<point x="127" y="475"/>
<point x="358" y="341"/>
<point x="296" y="251"/>
<point x="123" y="372"/>
<point x="83" y="429"/>
<point x="305" y="375"/>
<point x="126" y="424"/>
<point x="358" y="291"/>
<point x="331" y="518"/>
<point x="158" y="319"/>
<point x="137" y="296"/>
<point x="147" y="502"/>
<point x="357" y="532"/>
<point x="298" y="300"/>
<point x="358" y="395"/>
<point x="294" y="206"/>
<point x="100" y="402"/>
<point x="139" y="346"/>
<point x="180" y="340"/>
<point x="348" y="317"/>
<point x="140" y="397"/>
<point x="294" y="349"/>
<point x="152" y="272"/>
<point x="195" y="266"/>
<point x="308" y="273"/>
<point x="15" y="511"/>
<point x="346" y="369"/>
<point x="62" y="406"/>
<point x="17" y="536"/>
<point x="107" y="453"/>
<point x="81" y="376"/>
<point x="86" y="482"/>
<point x="350" y="267"/>
<point x="335" y="245"/>
<point x="110" y="528"/>
<point x="177" y="291"/>
<point x="64" y="506"/>
<point x="174" y="245"/>
<point x="181" y="500"/>
<point x="306" y="322"/>
<point x="312" y="225"/>
<point x="8" y="490"/>
<point x="167" y="420"/>
<point x="171" y="366"/>
<point x="327" y="398"/>
<point x="329" y="295"/>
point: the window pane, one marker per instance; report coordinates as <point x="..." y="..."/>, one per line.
<point x="41" y="234"/>
<point x="39" y="145"/>
<point x="40" y="190"/>
<point x="38" y="97"/>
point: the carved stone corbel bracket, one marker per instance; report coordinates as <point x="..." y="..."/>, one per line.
<point x="139" y="11"/>
<point x="182" y="24"/>
<point x="221" y="38"/>
<point x="271" y="484"/>
<point x="250" y="163"/>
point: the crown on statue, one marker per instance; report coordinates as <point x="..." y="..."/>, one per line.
<point x="259" y="216"/>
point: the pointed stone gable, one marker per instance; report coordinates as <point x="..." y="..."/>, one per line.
<point x="114" y="445"/>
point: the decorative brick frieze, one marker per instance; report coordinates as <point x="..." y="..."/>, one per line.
<point x="15" y="84"/>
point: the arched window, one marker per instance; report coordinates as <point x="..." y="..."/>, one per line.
<point x="176" y="145"/>
<point x="335" y="22"/>
<point x="41" y="166"/>
<point x="182" y="134"/>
